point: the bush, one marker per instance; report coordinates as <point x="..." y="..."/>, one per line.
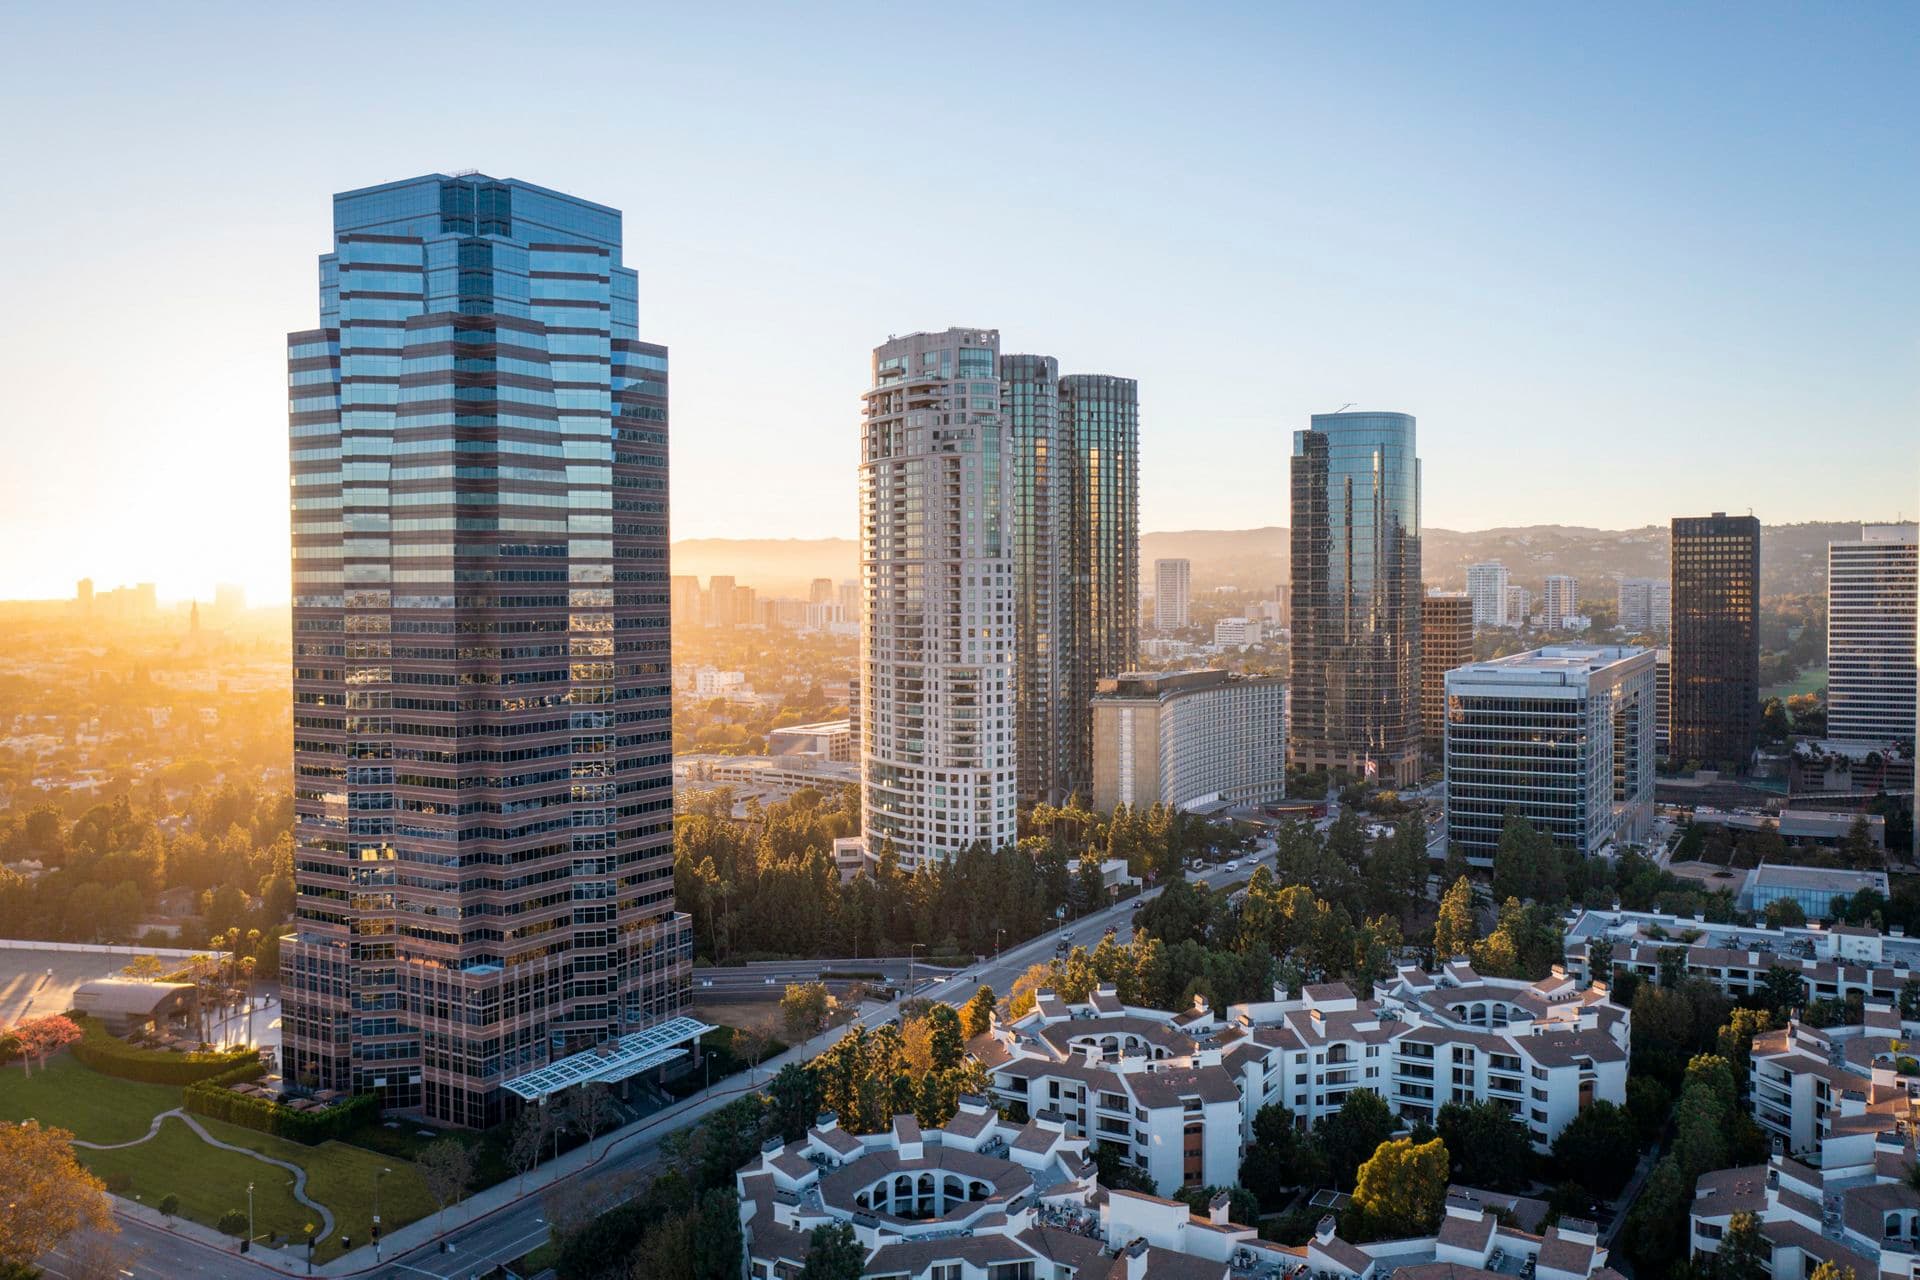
<point x="112" y="1056"/>
<point x="233" y="1222"/>
<point x="169" y="1204"/>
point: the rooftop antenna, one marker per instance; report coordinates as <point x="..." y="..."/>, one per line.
<point x="1348" y="405"/>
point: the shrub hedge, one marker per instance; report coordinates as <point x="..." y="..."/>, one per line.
<point x="112" y="1056"/>
<point x="213" y="1099"/>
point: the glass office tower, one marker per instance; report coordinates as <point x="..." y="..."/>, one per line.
<point x="482" y="716"/>
<point x="1355" y="544"/>
<point x="1716" y="641"/>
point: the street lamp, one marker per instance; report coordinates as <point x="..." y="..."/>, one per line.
<point x="378" y="1174"/>
<point x="249" y="1241"/>
<point x="997" y="935"/>
<point x="911" y="948"/>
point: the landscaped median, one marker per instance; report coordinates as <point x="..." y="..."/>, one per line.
<point x="205" y="1182"/>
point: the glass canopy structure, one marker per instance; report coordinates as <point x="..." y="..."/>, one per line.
<point x="612" y="1062"/>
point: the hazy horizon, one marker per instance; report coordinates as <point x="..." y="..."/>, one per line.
<point x="1621" y="264"/>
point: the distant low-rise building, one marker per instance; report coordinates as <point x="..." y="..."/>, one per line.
<point x="824" y="740"/>
<point x="1238" y="632"/>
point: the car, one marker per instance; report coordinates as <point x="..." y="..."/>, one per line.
<point x="1233" y="866"/>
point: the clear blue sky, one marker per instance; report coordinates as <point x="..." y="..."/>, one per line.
<point x="1622" y="261"/>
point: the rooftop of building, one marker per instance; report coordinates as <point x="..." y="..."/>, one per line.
<point x="1556" y="664"/>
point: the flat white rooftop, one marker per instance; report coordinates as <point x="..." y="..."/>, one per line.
<point x="1567" y="665"/>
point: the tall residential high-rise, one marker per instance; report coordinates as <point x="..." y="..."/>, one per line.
<point x="1662" y="699"/>
<point x="936" y="639"/>
<point x="722" y="599"/>
<point x="1716" y="640"/>
<point x="482" y="713"/>
<point x="685" y="602"/>
<point x="1172" y="593"/>
<point x="820" y="591"/>
<point x="1645" y="604"/>
<point x="1487" y="588"/>
<point x="1100" y="428"/>
<point x="1561" y="598"/>
<point x="1356" y="596"/>
<point x="1041" y="542"/>
<point x="1446" y="642"/>
<point x="1873" y="586"/>
<point x="1519" y="605"/>
<point x="1076" y="556"/>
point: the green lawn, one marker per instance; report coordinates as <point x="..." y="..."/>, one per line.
<point x="341" y="1177"/>
<point x="1810" y="680"/>
<point x="89" y="1105"/>
<point x="208" y="1181"/>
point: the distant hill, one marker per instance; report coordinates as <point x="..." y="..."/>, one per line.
<point x="1793" y="557"/>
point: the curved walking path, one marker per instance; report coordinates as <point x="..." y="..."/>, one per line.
<point x="199" y="1131"/>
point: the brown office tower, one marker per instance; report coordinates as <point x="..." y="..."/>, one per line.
<point x="1446" y="642"/>
<point x="482" y="716"/>
<point x="1355" y="546"/>
<point x="1716" y="641"/>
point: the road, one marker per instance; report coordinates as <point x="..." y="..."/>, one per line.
<point x="518" y="1226"/>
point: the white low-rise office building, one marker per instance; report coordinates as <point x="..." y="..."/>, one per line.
<point x="1563" y="735"/>
<point x="1189" y="739"/>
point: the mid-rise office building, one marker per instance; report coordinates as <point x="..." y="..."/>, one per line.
<point x="1172" y="594"/>
<point x="937" y="637"/>
<point x="1446" y="642"/>
<point x="820" y="591"/>
<point x="1716" y="640"/>
<point x="1238" y="632"/>
<point x="1873" y="587"/>
<point x="1189" y="739"/>
<point x="1487" y="588"/>
<point x="480" y="611"/>
<point x="685" y="601"/>
<point x="1562" y="735"/>
<point x="1644" y="604"/>
<point x="1561" y="599"/>
<point x="1355" y="554"/>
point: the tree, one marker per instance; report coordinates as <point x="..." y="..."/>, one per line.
<point x="833" y="1253"/>
<point x="795" y="1094"/>
<point x="976" y="1016"/>
<point x="716" y="1236"/>
<point x="1742" y="1254"/>
<point x="446" y="1166"/>
<point x="1402" y="1188"/>
<point x="49" y="1195"/>
<point x="1783" y="990"/>
<point x="804" y="1010"/>
<point x="531" y="1129"/>
<point x="1785" y="913"/>
<point x="1351" y="1134"/>
<point x="592" y="1108"/>
<point x="1735" y="1039"/>
<point x="39" y="1037"/>
<point x="1454" y="930"/>
<point x="1488" y="1146"/>
<point x="1599" y="1148"/>
<point x="1282" y="1156"/>
<point x="666" y="1249"/>
<point x="1831" y="1270"/>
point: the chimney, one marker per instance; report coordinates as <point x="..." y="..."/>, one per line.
<point x="1137" y="1260"/>
<point x="827" y="1121"/>
<point x="1217" y="1208"/>
<point x="1199" y="1003"/>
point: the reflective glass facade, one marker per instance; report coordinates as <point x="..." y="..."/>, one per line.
<point x="1355" y="551"/>
<point x="1042" y="543"/>
<point x="1716" y="641"/>
<point x="1100" y="425"/>
<point x="482" y="714"/>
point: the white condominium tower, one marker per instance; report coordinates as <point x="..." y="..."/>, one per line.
<point x="1487" y="585"/>
<point x="1871" y="594"/>
<point x="937" y="759"/>
<point x="1562" y="598"/>
<point x="1172" y="593"/>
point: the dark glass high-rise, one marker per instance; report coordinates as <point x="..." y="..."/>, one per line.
<point x="482" y="715"/>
